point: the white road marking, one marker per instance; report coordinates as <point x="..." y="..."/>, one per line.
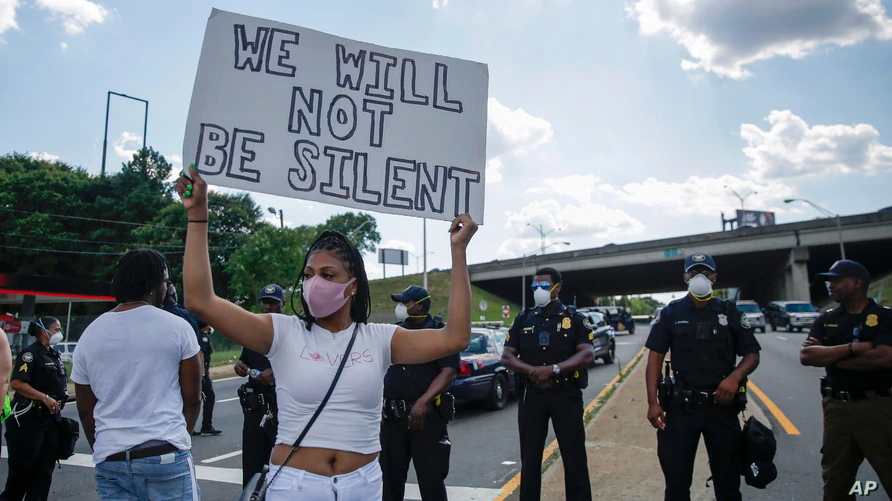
<point x="624" y="342"/>
<point x="782" y="338"/>
<point x="234" y="476"/>
<point x="228" y="379"/>
<point x="509" y="462"/>
<point x="227" y="400"/>
<point x="222" y="457"/>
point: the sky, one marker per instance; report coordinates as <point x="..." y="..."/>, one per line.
<point x="608" y="122"/>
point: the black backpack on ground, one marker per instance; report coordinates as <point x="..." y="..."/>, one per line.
<point x="758" y="449"/>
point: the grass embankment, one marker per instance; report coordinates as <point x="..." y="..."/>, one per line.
<point x="881" y="290"/>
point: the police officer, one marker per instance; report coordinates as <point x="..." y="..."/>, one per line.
<point x="549" y="345"/>
<point x="854" y="343"/>
<point x="413" y="426"/>
<point x="705" y="335"/>
<point x="169" y="304"/>
<point x="258" y="396"/>
<point x="32" y="436"/>
<point x="207" y="385"/>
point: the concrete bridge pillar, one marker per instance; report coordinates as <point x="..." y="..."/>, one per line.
<point x="796" y="276"/>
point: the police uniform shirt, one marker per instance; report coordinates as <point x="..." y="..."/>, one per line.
<point x="838" y="327"/>
<point x="542" y="338"/>
<point x="184" y="314"/>
<point x="257" y="361"/>
<point x="409" y="382"/>
<point x="705" y="342"/>
<point x="42" y="368"/>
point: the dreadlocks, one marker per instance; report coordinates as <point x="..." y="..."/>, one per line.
<point x="138" y="272"/>
<point x="339" y="245"/>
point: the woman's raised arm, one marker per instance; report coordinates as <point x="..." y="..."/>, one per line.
<point x="251" y="330"/>
<point x="418" y="346"/>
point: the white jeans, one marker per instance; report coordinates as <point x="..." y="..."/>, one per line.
<point x="363" y="484"/>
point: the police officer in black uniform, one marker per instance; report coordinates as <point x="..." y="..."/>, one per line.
<point x="705" y="335"/>
<point x="854" y="343"/>
<point x="550" y="347"/>
<point x="32" y="436"/>
<point x="208" y="397"/>
<point x="258" y="396"/>
<point x="413" y="425"/>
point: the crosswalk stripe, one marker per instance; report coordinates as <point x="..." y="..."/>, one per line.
<point x="234" y="476"/>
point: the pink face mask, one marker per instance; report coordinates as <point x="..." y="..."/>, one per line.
<point x="324" y="297"/>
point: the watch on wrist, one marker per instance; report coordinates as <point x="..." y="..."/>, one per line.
<point x="557" y="370"/>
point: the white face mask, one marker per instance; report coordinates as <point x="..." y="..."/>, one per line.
<point x="542" y="297"/>
<point x="56" y="339"/>
<point x="700" y="286"/>
<point x="401" y="312"/>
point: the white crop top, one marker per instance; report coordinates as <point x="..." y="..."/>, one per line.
<point x="305" y="363"/>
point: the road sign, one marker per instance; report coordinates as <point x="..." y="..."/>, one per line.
<point x="483" y="305"/>
<point x="506" y="310"/>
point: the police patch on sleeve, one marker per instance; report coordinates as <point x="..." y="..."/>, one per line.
<point x="23" y="368"/>
<point x="591" y="336"/>
<point x="28" y="356"/>
<point x="744" y="322"/>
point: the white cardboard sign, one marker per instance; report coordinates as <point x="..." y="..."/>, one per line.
<point x="289" y="111"/>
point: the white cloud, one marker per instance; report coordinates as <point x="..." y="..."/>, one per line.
<point x="511" y="132"/>
<point x="76" y="15"/>
<point x="707" y="196"/>
<point x="7" y="15"/>
<point x="724" y="36"/>
<point x="63" y="45"/>
<point x="437" y="4"/>
<point x="585" y="219"/>
<point x="46" y="157"/>
<point x="793" y="148"/>
<point x="127" y="139"/>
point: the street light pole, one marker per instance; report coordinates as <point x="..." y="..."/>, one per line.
<point x="145" y="124"/>
<point x="272" y="211"/>
<point x="828" y="214"/>
<point x="741" y="198"/>
<point x="542" y="235"/>
<point x="523" y="273"/>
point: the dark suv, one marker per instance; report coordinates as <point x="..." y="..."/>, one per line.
<point x="617" y="316"/>
<point x="792" y="315"/>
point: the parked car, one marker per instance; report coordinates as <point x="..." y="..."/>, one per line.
<point x="796" y="315"/>
<point x="617" y="316"/>
<point x="753" y="313"/>
<point x="66" y="350"/>
<point x="605" y="336"/>
<point x="482" y="375"/>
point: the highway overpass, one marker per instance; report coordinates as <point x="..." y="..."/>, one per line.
<point x="766" y="263"/>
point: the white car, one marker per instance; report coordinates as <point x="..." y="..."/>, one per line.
<point x="67" y="351"/>
<point x="754" y="314"/>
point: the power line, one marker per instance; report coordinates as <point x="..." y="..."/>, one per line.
<point x="40" y="249"/>
<point x="111" y="221"/>
<point x="99" y="242"/>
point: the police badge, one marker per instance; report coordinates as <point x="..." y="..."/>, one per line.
<point x="723" y="319"/>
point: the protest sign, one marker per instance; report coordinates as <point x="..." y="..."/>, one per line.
<point x="290" y="111"/>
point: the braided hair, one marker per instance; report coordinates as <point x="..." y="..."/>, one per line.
<point x="41" y="324"/>
<point x="340" y="246"/>
<point x="137" y="273"/>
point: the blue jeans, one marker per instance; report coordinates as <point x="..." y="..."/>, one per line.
<point x="157" y="478"/>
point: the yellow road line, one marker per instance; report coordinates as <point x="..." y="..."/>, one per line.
<point x="514" y="483"/>
<point x="778" y="414"/>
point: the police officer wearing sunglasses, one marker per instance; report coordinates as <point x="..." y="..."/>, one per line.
<point x="550" y="349"/>
<point x="704" y="336"/>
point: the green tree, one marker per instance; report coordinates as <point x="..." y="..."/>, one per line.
<point x="360" y="227"/>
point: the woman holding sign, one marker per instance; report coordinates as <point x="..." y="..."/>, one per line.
<point x="331" y="342"/>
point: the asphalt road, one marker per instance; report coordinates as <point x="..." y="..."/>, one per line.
<point x="485" y="452"/>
